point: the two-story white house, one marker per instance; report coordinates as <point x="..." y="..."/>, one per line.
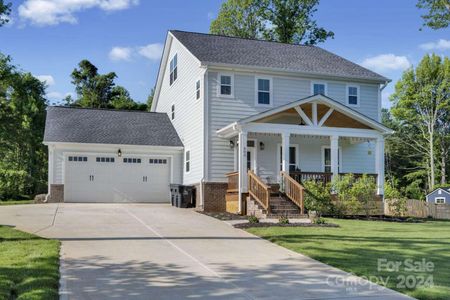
<point x="253" y="114"/>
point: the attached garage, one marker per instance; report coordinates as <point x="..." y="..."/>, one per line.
<point x="113" y="156"/>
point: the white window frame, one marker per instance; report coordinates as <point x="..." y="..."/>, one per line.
<point x="319" y="82"/>
<point x="439" y="198"/>
<point x="198" y="90"/>
<point x="297" y="156"/>
<point x="347" y="95"/>
<point x="186" y="161"/>
<point x="171" y="71"/>
<point x="270" y="91"/>
<point x="322" y="154"/>
<point x="172" y="112"/>
<point x="219" y="85"/>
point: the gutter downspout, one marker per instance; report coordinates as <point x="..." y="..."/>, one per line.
<point x="205" y="136"/>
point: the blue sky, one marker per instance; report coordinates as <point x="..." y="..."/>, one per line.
<point x="49" y="37"/>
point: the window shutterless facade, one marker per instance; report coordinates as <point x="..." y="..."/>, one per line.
<point x="319" y="88"/>
<point x="439" y="200"/>
<point x="173" y="112"/>
<point x="187" y="161"/>
<point x="263" y="91"/>
<point x="226" y="85"/>
<point x="197" y="89"/>
<point x="353" y="95"/>
<point x="173" y="71"/>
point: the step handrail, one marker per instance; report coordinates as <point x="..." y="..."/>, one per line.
<point x="293" y="190"/>
<point x="259" y="190"/>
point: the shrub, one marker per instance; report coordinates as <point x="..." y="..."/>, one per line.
<point x="12" y="183"/>
<point x="390" y="191"/>
<point x="253" y="219"/>
<point x="363" y="191"/>
<point x="346" y="203"/>
<point x="397" y="206"/>
<point x="319" y="221"/>
<point x="283" y="220"/>
<point x="317" y="197"/>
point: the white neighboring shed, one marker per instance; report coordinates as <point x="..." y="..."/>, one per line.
<point x="101" y="155"/>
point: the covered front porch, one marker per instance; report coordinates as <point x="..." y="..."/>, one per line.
<point x="315" y="138"/>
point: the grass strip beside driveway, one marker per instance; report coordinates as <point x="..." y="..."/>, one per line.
<point x="29" y="266"/>
<point x="356" y="247"/>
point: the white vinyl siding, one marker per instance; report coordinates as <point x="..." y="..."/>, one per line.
<point x="188" y="121"/>
<point x="223" y="111"/>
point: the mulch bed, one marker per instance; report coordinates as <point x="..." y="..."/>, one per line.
<point x="250" y="225"/>
<point x="224" y="216"/>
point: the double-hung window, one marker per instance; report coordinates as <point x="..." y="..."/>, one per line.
<point x="263" y="91"/>
<point x="353" y="95"/>
<point x="187" y="161"/>
<point x="319" y="88"/>
<point x="173" y="69"/>
<point x="197" y="89"/>
<point x="173" y="111"/>
<point x="226" y="85"/>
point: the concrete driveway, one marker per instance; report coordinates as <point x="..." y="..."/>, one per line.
<point x="147" y="251"/>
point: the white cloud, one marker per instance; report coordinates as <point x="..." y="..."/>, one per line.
<point x="58" y="96"/>
<point x="386" y="62"/>
<point x="151" y="51"/>
<point x="52" y="12"/>
<point x="120" y="53"/>
<point x="47" y="79"/>
<point x="439" y="45"/>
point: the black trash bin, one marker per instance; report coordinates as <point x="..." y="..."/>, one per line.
<point x="175" y="194"/>
<point x="181" y="195"/>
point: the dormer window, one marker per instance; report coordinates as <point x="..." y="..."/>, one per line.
<point x="319" y="88"/>
<point x="173" y="69"/>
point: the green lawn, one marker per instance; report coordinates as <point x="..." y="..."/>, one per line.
<point x="357" y="245"/>
<point x="15" y="202"/>
<point x="29" y="266"/>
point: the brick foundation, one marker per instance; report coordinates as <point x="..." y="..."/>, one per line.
<point x="214" y="196"/>
<point x="56" y="193"/>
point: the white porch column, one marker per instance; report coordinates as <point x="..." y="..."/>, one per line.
<point x="242" y="165"/>
<point x="379" y="161"/>
<point x="334" y="152"/>
<point x="285" y="144"/>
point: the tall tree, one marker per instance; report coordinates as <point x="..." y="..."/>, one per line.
<point x="23" y="159"/>
<point x="438" y="13"/>
<point x="93" y="89"/>
<point x="287" y="21"/>
<point x="241" y="18"/>
<point x="5" y="11"/>
<point x="99" y="90"/>
<point x="291" y="21"/>
<point x="420" y="103"/>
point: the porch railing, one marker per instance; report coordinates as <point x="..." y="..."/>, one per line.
<point x="324" y="177"/>
<point x="293" y="190"/>
<point x="259" y="190"/>
<point x="233" y="182"/>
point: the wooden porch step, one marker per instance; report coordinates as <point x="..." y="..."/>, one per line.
<point x="290" y="216"/>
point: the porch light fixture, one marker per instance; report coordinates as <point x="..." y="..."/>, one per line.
<point x="119" y="153"/>
<point x="261" y="146"/>
<point x="231" y="144"/>
<point x="369" y="148"/>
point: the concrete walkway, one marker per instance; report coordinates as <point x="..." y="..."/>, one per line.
<point x="145" y="251"/>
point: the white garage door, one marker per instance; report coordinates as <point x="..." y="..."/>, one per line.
<point x="106" y="178"/>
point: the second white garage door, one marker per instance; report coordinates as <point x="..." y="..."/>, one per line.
<point x="105" y="178"/>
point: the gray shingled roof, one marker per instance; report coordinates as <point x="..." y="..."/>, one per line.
<point x="106" y="126"/>
<point x="216" y="49"/>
